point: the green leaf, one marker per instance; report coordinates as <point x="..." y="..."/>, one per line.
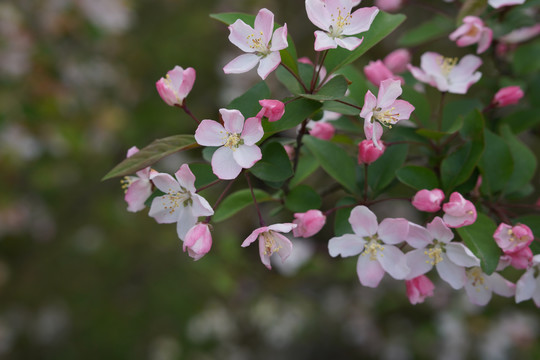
<point x="203" y="174"/>
<point x="524" y="161"/>
<point x="248" y="103"/>
<point x="418" y="177"/>
<point x="307" y="164"/>
<point x="295" y="112"/>
<point x="438" y="26"/>
<point x="341" y="221"/>
<point x="358" y="84"/>
<point x="479" y="239"/>
<point x="238" y="201"/>
<point x="422" y="109"/>
<point x="341" y="108"/>
<point x="525" y="60"/>
<point x="383" y="171"/>
<point x="471" y="7"/>
<point x="455" y="111"/>
<point x="522" y="120"/>
<point x="496" y="163"/>
<point x="151" y="154"/>
<point x="333" y="89"/>
<point x="302" y="198"/>
<point x="383" y="25"/>
<point x="275" y="164"/>
<point x="431" y="134"/>
<point x="334" y="160"/>
<point x="290" y="82"/>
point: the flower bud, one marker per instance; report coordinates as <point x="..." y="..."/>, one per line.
<point x="513" y="239"/>
<point x="174" y="88"/>
<point x="389" y="5"/>
<point x="398" y="60"/>
<point x="419" y="288"/>
<point x="519" y="259"/>
<point x="308" y="223"/>
<point x="509" y="95"/>
<point x="428" y="200"/>
<point x="323" y="131"/>
<point x="368" y="152"/>
<point x="458" y="211"/>
<point x="198" y="241"/>
<point x="272" y="109"/>
<point x="376" y="72"/>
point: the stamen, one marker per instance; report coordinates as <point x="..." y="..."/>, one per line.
<point x="233" y="140"/>
<point x="434" y="254"/>
<point x="386" y="117"/>
<point x="270" y="244"/>
<point x="372" y="248"/>
<point x="477" y="277"/>
<point x="447" y="64"/>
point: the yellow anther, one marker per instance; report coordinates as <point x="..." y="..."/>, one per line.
<point x="126" y="182"/>
<point x="447" y="64"/>
<point x="434" y="254"/>
<point x="233" y="140"/>
<point x="475" y="274"/>
<point x="386" y="117"/>
<point x="270" y="244"/>
<point x="372" y="248"/>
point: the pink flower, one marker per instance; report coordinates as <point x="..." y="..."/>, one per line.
<point x="322" y="130"/>
<point x="459" y="212"/>
<point x="271" y="241"/>
<point x="480" y="286"/>
<point x="237" y="140"/>
<point x="418" y="289"/>
<point x="384" y="108"/>
<point x="447" y="74"/>
<point x="376" y="72"/>
<point x="428" y="200"/>
<point x="519" y="259"/>
<point x="272" y="109"/>
<point x="335" y="18"/>
<point x="174" y="88"/>
<point x="520" y="35"/>
<point x="500" y="3"/>
<point x="528" y="286"/>
<point x="473" y="31"/>
<point x="368" y="152"/>
<point x="180" y="204"/>
<point x="138" y="188"/>
<point x="261" y="44"/>
<point x="433" y="247"/>
<point x="398" y="60"/>
<point x="375" y="244"/>
<point x="513" y="239"/>
<point x="509" y="95"/>
<point x="198" y="241"/>
<point x="389" y="5"/>
<point x="308" y="223"/>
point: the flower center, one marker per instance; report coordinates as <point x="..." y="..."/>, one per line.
<point x="386" y="117"/>
<point x="447" y="64"/>
<point x="343" y="19"/>
<point x="126" y="182"/>
<point x="472" y="31"/>
<point x="477" y="277"/>
<point x="270" y="244"/>
<point x="434" y="254"/>
<point x="256" y="43"/>
<point x="233" y="140"/>
<point x="372" y="247"/>
<point x="173" y="199"/>
<point x="513" y="237"/>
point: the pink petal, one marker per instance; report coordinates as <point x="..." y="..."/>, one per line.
<point x="346" y="245"/>
<point x="253" y="131"/>
<point x="393" y="231"/>
<point x="187" y="83"/>
<point x="200" y="206"/>
<point x="265" y="258"/>
<point x="247" y="155"/>
<point x="370" y="102"/>
<point x="438" y="229"/>
<point x="137" y="194"/>
<point x="419" y="263"/>
<point x="451" y="273"/>
<point x="430" y="62"/>
<point x="186" y="178"/>
<point x="223" y="164"/>
<point x="264" y="23"/>
<point x="403" y="109"/>
<point x="318" y="14"/>
<point x="389" y="91"/>
<point x="210" y="133"/>
<point x="165" y="182"/>
<point x="253" y="236"/>
<point x="394" y="262"/>
<point x="460" y="31"/>
<point x="363" y="221"/>
<point x="461" y="255"/>
<point x="163" y="210"/>
<point x="323" y="41"/>
<point x="233" y="120"/>
<point x="240" y="32"/>
<point x="283" y="227"/>
<point x="485" y="40"/>
<point x="361" y="20"/>
<point x="268" y="64"/>
<point x="279" y="39"/>
<point x="132" y="151"/>
<point x="370" y="272"/>
<point x="478" y="293"/>
<point x="285" y="246"/>
<point x="418" y="236"/>
<point x="241" y="64"/>
<point x="350" y="43"/>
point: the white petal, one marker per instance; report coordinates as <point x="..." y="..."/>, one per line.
<point x="233" y="120"/>
<point x="393" y="231"/>
<point x="246" y="156"/>
<point x="363" y="221"/>
<point x="346" y="245"/>
<point x="163" y="210"/>
<point x="253" y="131"/>
<point x="268" y="64"/>
<point x="210" y="133"/>
<point x="418" y="262"/>
<point x="370" y="272"/>
<point x="186" y="220"/>
<point x="350" y="43"/>
<point x="318" y="14"/>
<point x="479" y="294"/>
<point x="461" y="255"/>
<point x="223" y="164"/>
<point x="501" y="286"/>
<point x="418" y="236"/>
<point x="451" y="273"/>
<point x="394" y="262"/>
<point x="165" y="182"/>
<point x="323" y="41"/>
<point x="361" y="20"/>
<point x="526" y="286"/>
<point x="241" y="64"/>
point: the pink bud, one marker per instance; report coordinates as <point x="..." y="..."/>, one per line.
<point x="198" y="241"/>
<point x="519" y="259"/>
<point x="397" y="60"/>
<point x="509" y="95"/>
<point x="428" y="200"/>
<point x="419" y="288"/>
<point x="174" y="88"/>
<point x="323" y="131"/>
<point x="368" y="152"/>
<point x="458" y="211"/>
<point x="389" y="5"/>
<point x="513" y="239"/>
<point x="272" y="109"/>
<point x="290" y="151"/>
<point x="308" y="223"/>
<point x="376" y="72"/>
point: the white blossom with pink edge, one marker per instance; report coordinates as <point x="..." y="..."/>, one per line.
<point x="447" y="74"/>
<point x="473" y="31"/>
<point x="433" y="247"/>
<point x="528" y="286"/>
<point x="338" y="23"/>
<point x="385" y="109"/>
<point x="271" y="241"/>
<point x="138" y="188"/>
<point x="500" y="3"/>
<point x="261" y="43"/>
<point x="459" y="211"/>
<point x="180" y="204"/>
<point x="480" y="286"/>
<point x="237" y="140"/>
<point x="512" y="239"/>
<point x="376" y="245"/>
<point x="175" y="87"/>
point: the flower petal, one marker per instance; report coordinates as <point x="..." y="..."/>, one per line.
<point x="246" y="156"/>
<point x="323" y="41"/>
<point x="526" y="286"/>
<point x="346" y="245"/>
<point x="438" y="230"/>
<point x="233" y="120"/>
<point x="461" y="255"/>
<point x="200" y="206"/>
<point x="451" y="273"/>
<point x="318" y="14"/>
<point x="403" y="109"/>
<point x="165" y="182"/>
<point x="241" y="64"/>
<point x="279" y="39"/>
<point x="268" y="64"/>
<point x="370" y="272"/>
<point x="210" y="133"/>
<point x="393" y="231"/>
<point x="361" y="20"/>
<point x="350" y="43"/>
<point x="253" y="236"/>
<point x="137" y="194"/>
<point x="418" y="236"/>
<point x="394" y="262"/>
<point x="163" y="210"/>
<point x="501" y="286"/>
<point x="370" y="102"/>
<point x="239" y="33"/>
<point x="186" y="178"/>
<point x="363" y="221"/>
<point x="264" y="25"/>
<point x="253" y="131"/>
<point x="389" y="91"/>
<point x="223" y="164"/>
<point x="418" y="263"/>
<point x="186" y="220"/>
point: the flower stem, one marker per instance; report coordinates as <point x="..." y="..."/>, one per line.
<point x="365" y="182"/>
<point x="223" y="194"/>
<point x="317" y="70"/>
<point x="296" y="77"/>
<point x="261" y="221"/>
<point x="440" y="115"/>
<point x="349" y="104"/>
<point x="187" y="111"/>
<point x="209" y="185"/>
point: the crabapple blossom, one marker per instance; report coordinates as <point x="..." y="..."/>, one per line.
<point x="368" y="152"/>
<point x="480" y="286"/>
<point x="138" y="188"/>
<point x="338" y="23"/>
<point x="236" y="139"/>
<point x="447" y="74"/>
<point x="180" y="204"/>
<point x="271" y="241"/>
<point x="428" y="200"/>
<point x="174" y="88"/>
<point x="519" y="259"/>
<point x="272" y="109"/>
<point x="473" y="31"/>
<point x="384" y="108"/>
<point x="261" y="44"/>
<point x="322" y="130"/>
<point x="389" y="5"/>
<point x="458" y="211"/>
<point x="308" y="223"/>
<point x="528" y="285"/>
<point x="512" y="239"/>
<point x="376" y="245"/>
<point x="500" y="3"/>
<point x="418" y="289"/>
<point x="433" y="247"/>
<point x="509" y="95"/>
<point x="397" y="60"/>
<point x="376" y="71"/>
<point x="198" y="241"/>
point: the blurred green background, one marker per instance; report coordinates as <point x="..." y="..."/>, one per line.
<point x="81" y="278"/>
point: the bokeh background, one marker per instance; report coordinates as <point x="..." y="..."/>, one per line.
<point x="81" y="278"/>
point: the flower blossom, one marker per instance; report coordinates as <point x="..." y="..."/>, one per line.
<point x="458" y="211"/>
<point x="428" y="200"/>
<point x="271" y="241"/>
<point x="519" y="259"/>
<point x="237" y="140"/>
<point x="512" y="239"/>
<point x="433" y="247"/>
<point x="418" y="289"/>
<point x="398" y="60"/>
<point x="368" y="152"/>
<point x="322" y="130"/>
<point x="338" y="23"/>
<point x="138" y="188"/>
<point x="528" y="285"/>
<point x="473" y="31"/>
<point x="272" y="109"/>
<point x="198" y="241"/>
<point x="376" y="245"/>
<point x="376" y="71"/>
<point x="500" y="3"/>
<point x="174" y="88"/>
<point x="509" y="95"/>
<point x="389" y="5"/>
<point x="261" y="44"/>
<point x="308" y="223"/>
<point x="447" y="74"/>
<point x="480" y="286"/>
<point x="180" y="204"/>
<point x="385" y="109"/>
